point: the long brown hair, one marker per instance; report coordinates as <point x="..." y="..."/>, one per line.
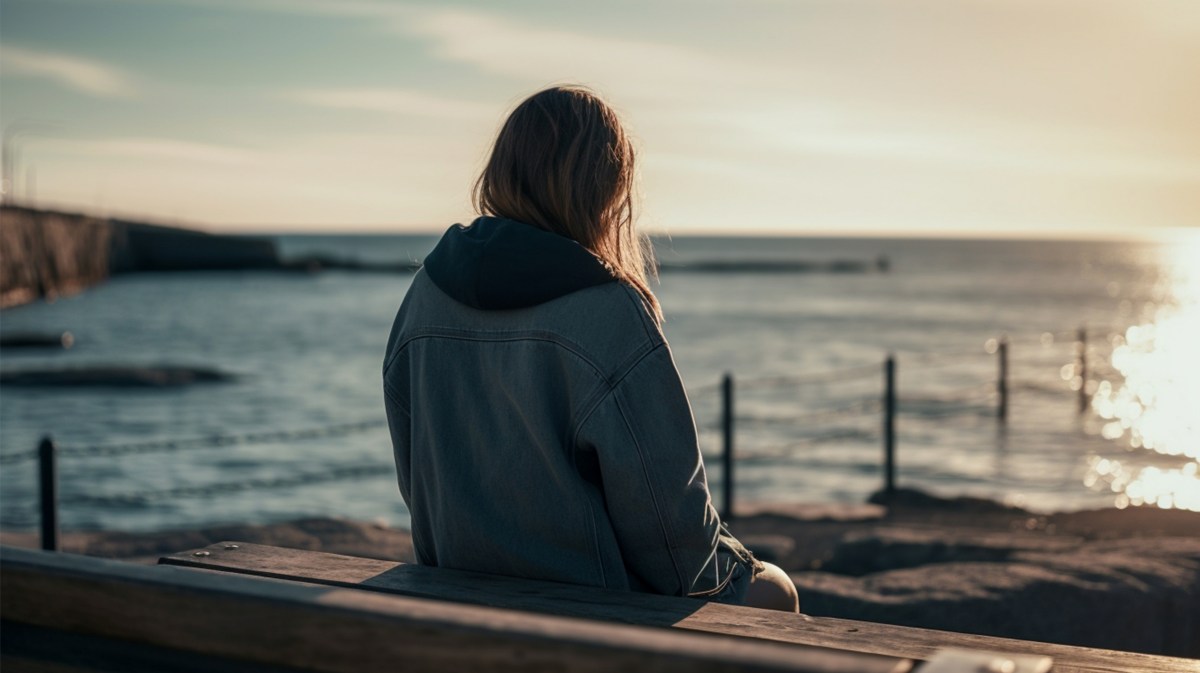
<point x="563" y="163"/>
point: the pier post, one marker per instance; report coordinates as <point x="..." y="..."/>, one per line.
<point x="727" y="437"/>
<point x="1084" y="400"/>
<point x="1002" y="381"/>
<point x="889" y="426"/>
<point x="48" y="493"/>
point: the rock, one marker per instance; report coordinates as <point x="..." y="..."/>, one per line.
<point x="812" y="512"/>
<point x="115" y="376"/>
<point x="318" y="263"/>
<point x="765" y="266"/>
<point x="336" y="536"/>
<point x="769" y="548"/>
<point x="911" y="498"/>
<point x="865" y="552"/>
<point x="1135" y="594"/>
<point x="58" y="340"/>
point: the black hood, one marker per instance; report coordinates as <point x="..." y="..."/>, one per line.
<point x="498" y="263"/>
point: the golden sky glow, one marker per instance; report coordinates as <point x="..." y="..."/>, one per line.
<point x="1074" y="117"/>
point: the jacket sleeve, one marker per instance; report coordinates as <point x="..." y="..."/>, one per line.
<point x="400" y="425"/>
<point x="644" y="438"/>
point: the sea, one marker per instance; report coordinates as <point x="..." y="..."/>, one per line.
<point x="802" y="327"/>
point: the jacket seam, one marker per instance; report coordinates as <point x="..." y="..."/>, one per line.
<point x="395" y="398"/>
<point x="639" y="308"/>
<point x="391" y="358"/>
<point x="612" y="388"/>
<point x="591" y="507"/>
<point x="588" y="408"/>
<point x="465" y="337"/>
<point x="683" y="583"/>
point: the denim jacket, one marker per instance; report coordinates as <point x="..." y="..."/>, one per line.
<point x="539" y="424"/>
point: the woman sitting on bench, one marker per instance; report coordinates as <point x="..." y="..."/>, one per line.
<point x="539" y="424"/>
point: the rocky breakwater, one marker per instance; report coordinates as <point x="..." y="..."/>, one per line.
<point x="45" y="254"/>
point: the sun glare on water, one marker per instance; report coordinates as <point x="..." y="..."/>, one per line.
<point x="1153" y="405"/>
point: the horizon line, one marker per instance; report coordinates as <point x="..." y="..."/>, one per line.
<point x="1159" y="234"/>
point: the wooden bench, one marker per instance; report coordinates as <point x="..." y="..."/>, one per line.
<point x="244" y="607"/>
<point x="646" y="610"/>
<point x="65" y="613"/>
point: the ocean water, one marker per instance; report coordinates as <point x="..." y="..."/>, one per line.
<point x="805" y="351"/>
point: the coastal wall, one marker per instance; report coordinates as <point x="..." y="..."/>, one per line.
<point x="45" y="254"/>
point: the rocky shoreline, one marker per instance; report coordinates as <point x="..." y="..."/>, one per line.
<point x="1117" y="579"/>
<point x="1114" y="579"/>
<point x="48" y="254"/>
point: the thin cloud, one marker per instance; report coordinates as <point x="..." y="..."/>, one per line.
<point x="349" y="9"/>
<point x="84" y="75"/>
<point x="394" y="101"/>
<point x="158" y="148"/>
<point x="1028" y="151"/>
<point x="640" y="69"/>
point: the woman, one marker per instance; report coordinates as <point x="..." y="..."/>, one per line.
<point x="539" y="424"/>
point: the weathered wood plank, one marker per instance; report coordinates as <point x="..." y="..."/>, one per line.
<point x="34" y="648"/>
<point x="644" y="609"/>
<point x="322" y="628"/>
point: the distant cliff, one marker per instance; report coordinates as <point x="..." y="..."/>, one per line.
<point x="44" y="254"/>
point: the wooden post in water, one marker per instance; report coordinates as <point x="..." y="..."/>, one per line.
<point x="1084" y="401"/>
<point x="889" y="426"/>
<point x="48" y="493"/>
<point x="727" y="436"/>
<point x="1002" y="381"/>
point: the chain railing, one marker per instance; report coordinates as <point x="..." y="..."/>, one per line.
<point x="988" y="399"/>
<point x="206" y="442"/>
<point x="47" y="456"/>
<point x="983" y="399"/>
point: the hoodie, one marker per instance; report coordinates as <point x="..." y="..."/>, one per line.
<point x="539" y="425"/>
<point x="497" y="264"/>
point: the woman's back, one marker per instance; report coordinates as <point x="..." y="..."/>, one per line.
<point x="529" y="409"/>
<point x="539" y="425"/>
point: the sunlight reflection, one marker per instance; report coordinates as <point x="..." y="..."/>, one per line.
<point x="1153" y="400"/>
<point x="1165" y="488"/>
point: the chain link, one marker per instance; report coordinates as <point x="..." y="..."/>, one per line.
<point x="827" y="376"/>
<point x="146" y="497"/>
<point x="210" y="442"/>
<point x="856" y="408"/>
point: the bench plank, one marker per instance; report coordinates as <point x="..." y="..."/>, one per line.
<point x="33" y="649"/>
<point x="645" y="609"/>
<point x="321" y="628"/>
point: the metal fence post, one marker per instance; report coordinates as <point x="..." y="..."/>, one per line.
<point x="889" y="426"/>
<point x="1002" y="381"/>
<point x="1084" y="402"/>
<point x="48" y="493"/>
<point x="727" y="435"/>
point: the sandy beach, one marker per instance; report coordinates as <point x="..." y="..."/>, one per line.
<point x="1120" y="579"/>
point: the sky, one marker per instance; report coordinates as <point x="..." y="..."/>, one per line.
<point x="1076" y="118"/>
